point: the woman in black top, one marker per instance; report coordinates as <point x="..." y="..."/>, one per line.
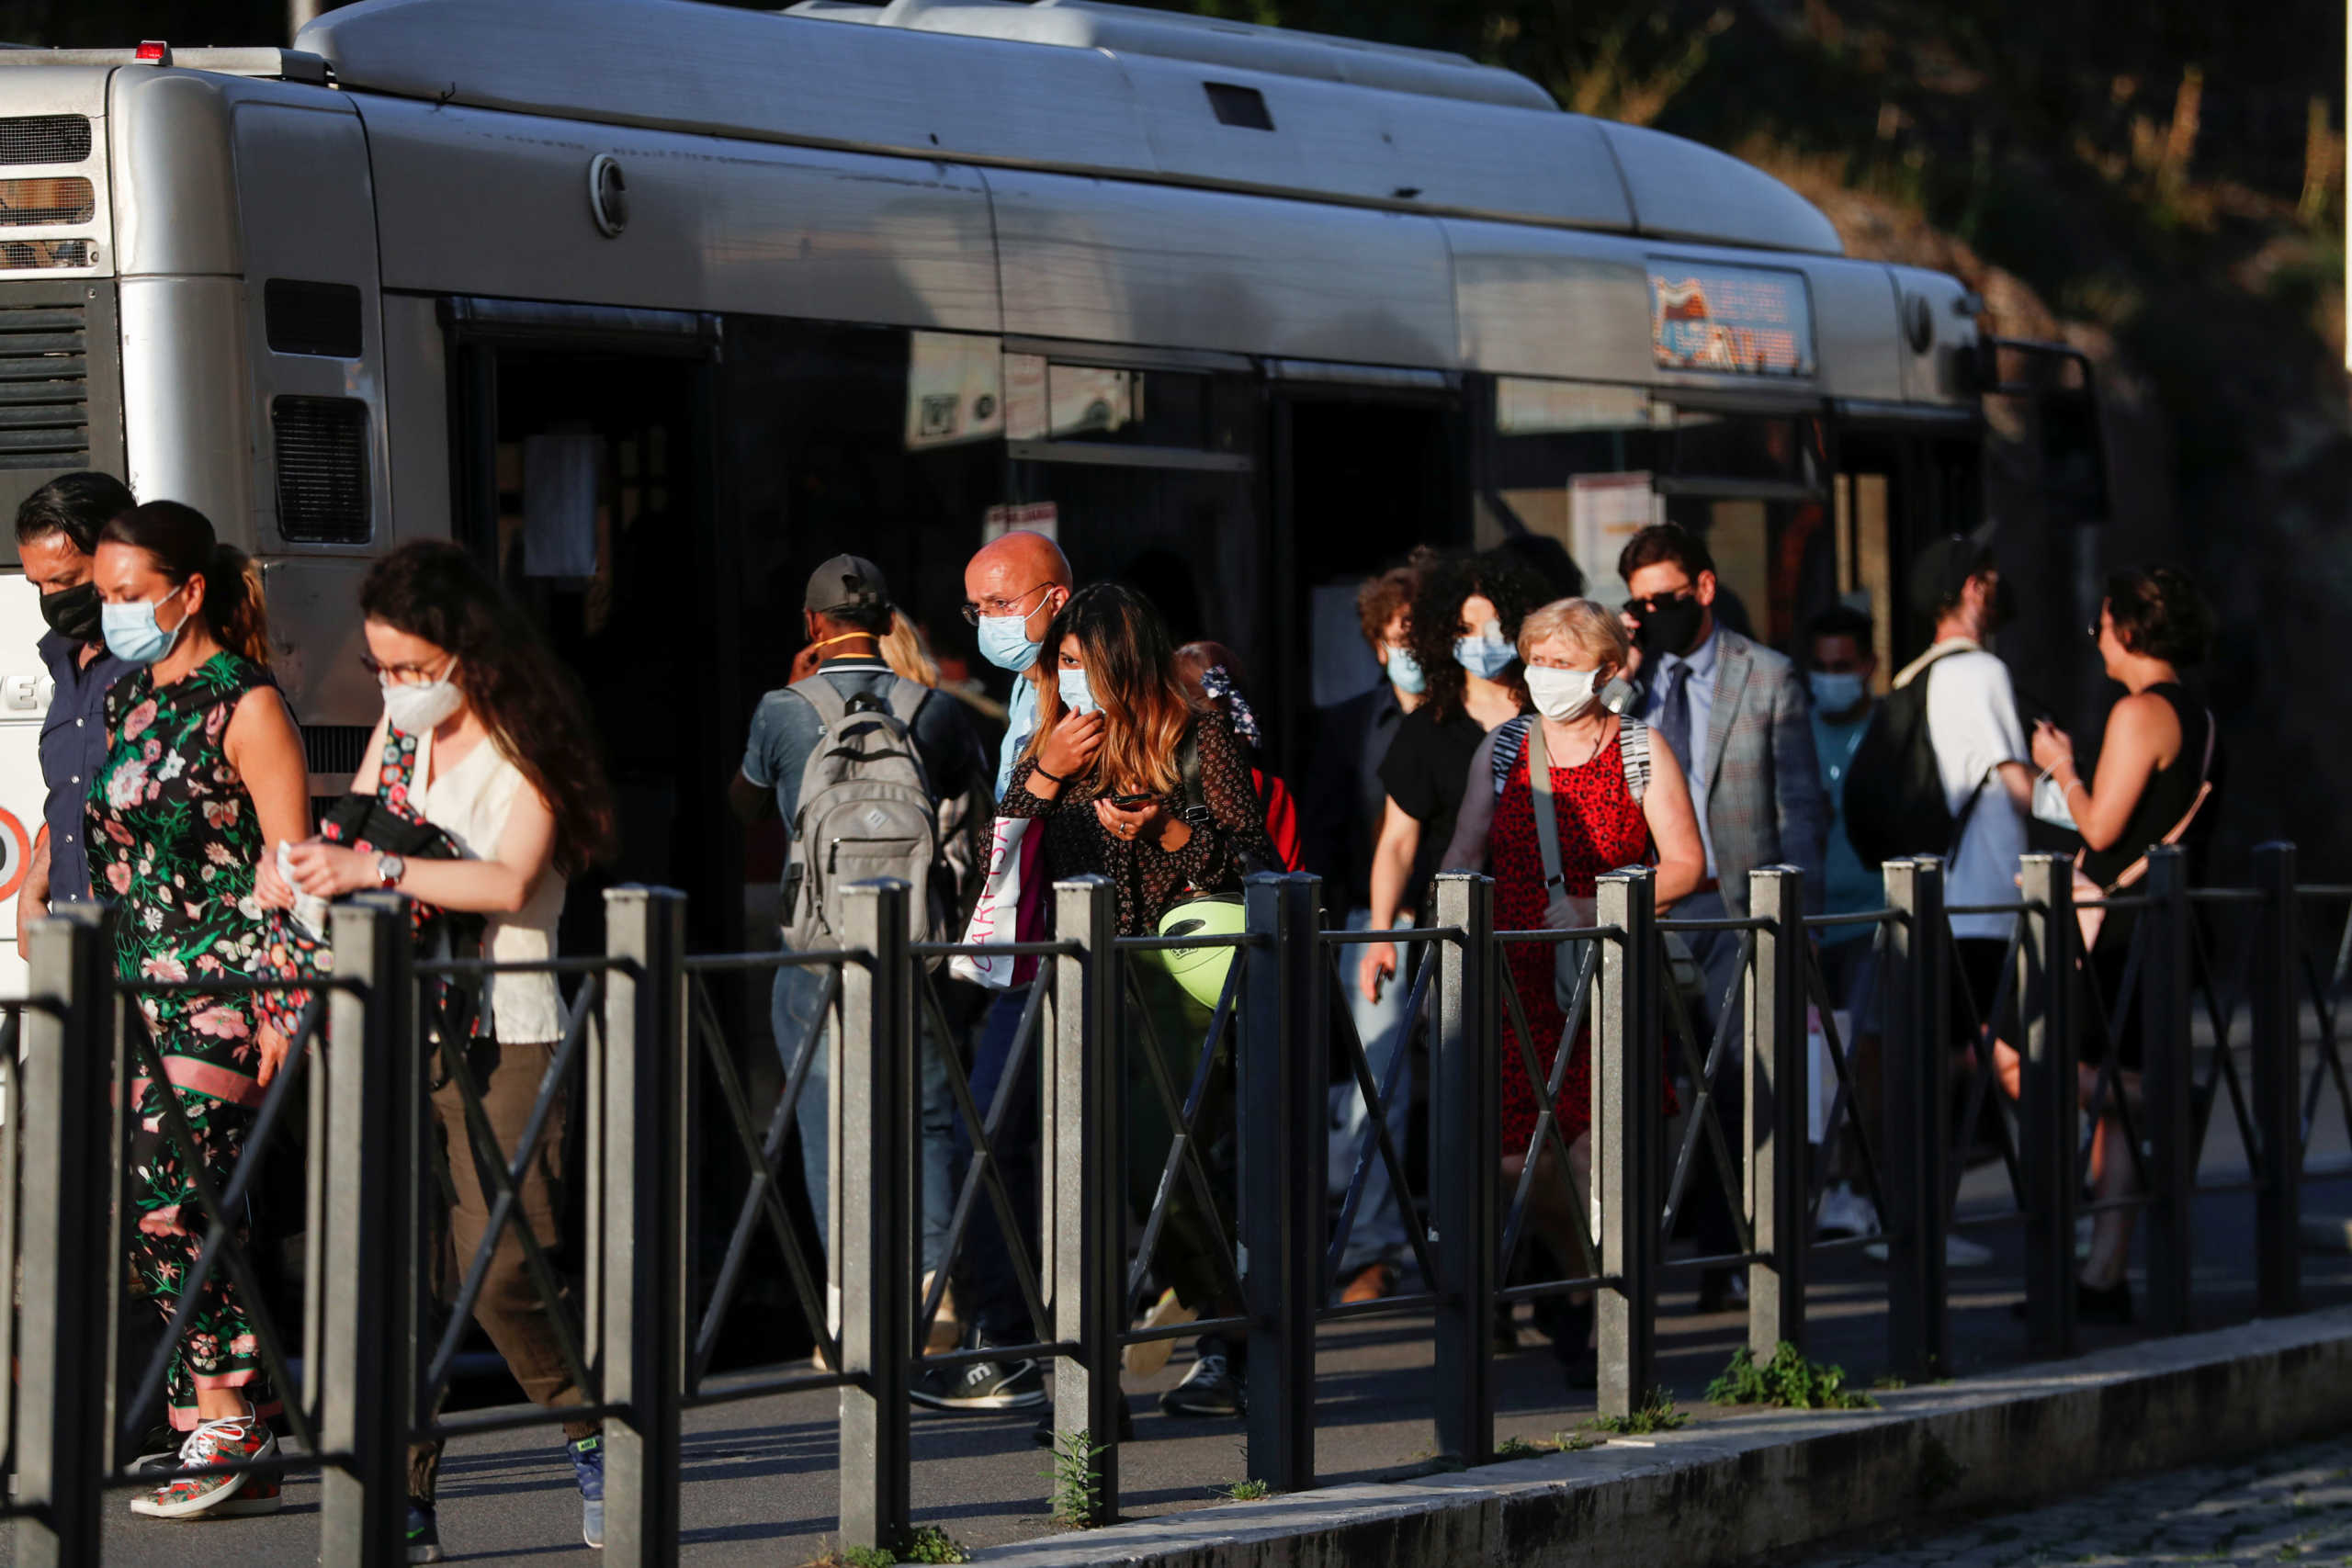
<point x="1105" y="780"/>
<point x="1463" y="626"/>
<point x="2154" y="765"/>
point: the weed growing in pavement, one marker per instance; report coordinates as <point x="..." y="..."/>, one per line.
<point x="1654" y="1414"/>
<point x="865" y="1557"/>
<point x="932" y="1544"/>
<point x="1789" y="1380"/>
<point x="1519" y="1448"/>
<point x="1251" y="1490"/>
<point x="1890" y="1383"/>
<point x="1076" y="1481"/>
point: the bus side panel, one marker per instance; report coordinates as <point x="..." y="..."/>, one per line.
<point x="473" y="201"/>
<point x="1111" y="263"/>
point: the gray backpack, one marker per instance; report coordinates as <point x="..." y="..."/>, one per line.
<point x="867" y="810"/>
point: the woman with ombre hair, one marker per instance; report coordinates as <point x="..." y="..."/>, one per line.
<point x="1129" y="779"/>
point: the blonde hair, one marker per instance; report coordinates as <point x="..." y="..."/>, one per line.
<point x="1587" y="626"/>
<point x="907" y="653"/>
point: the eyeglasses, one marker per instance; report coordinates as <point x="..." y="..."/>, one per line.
<point x="401" y="675"/>
<point x="975" y="609"/>
<point x="1656" y="602"/>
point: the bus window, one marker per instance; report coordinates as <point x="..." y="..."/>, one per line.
<point x="1572" y="462"/>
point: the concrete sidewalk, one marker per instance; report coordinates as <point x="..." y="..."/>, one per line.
<point x="1728" y="1491"/>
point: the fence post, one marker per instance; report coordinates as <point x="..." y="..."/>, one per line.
<point x="1465" y="1112"/>
<point x="1089" y="1276"/>
<point x="1280" y="1198"/>
<point x="375" y="1094"/>
<point x="2049" y="1101"/>
<point x="646" y="1150"/>
<point x="2278" y="1072"/>
<point x="2169" y="1090"/>
<point x="66" y="1230"/>
<point x="874" y="1081"/>
<point x="1917" y="1120"/>
<point x="1627" y="1094"/>
<point x="1778" y="1098"/>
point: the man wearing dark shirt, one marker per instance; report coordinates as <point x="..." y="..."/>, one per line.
<point x="57" y="531"/>
<point x="1340" y="820"/>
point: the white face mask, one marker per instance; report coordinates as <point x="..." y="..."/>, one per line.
<point x="413" y="710"/>
<point x="1077" y="695"/>
<point x="1562" y="694"/>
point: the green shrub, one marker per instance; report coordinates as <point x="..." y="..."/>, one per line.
<point x="1787" y="1380"/>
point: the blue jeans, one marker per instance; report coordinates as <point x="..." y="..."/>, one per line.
<point x="997" y="1304"/>
<point x="1379" y="1232"/>
<point x="793" y="1010"/>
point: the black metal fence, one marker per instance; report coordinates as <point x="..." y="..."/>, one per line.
<point x="2217" y="980"/>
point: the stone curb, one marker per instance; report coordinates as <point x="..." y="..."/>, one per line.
<point x="1729" y="1490"/>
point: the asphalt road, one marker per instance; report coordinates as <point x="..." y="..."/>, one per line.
<point x="2294" y="1505"/>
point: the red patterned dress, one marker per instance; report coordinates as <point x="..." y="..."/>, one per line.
<point x="1601" y="828"/>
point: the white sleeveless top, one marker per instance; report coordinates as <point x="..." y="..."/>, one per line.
<point x="471" y="802"/>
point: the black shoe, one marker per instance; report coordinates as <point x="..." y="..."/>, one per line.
<point x="1041" y="1434"/>
<point x="2111" y="1307"/>
<point x="1211" y="1389"/>
<point x="978" y="1387"/>
<point x="1723" y="1290"/>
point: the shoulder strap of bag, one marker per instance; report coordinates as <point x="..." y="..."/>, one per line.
<point x="1547" y="821"/>
<point x="2139" y="868"/>
<point x="821" y="693"/>
<point x="907" y="698"/>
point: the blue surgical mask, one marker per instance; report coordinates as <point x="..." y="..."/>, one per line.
<point x="1485" y="656"/>
<point x="1839" y="692"/>
<point x="1077" y="695"/>
<point x="1405" y="671"/>
<point x="132" y="635"/>
<point x="1004" y="642"/>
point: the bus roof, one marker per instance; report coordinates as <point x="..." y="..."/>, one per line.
<point x="1081" y="87"/>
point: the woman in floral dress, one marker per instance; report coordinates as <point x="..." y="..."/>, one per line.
<point x="204" y="777"/>
<point x="1617" y="801"/>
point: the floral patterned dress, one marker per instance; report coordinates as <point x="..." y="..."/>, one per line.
<point x="174" y="840"/>
<point x="1601" y="828"/>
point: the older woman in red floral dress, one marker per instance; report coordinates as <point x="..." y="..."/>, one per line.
<point x="1618" y="801"/>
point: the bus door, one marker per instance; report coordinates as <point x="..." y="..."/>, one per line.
<point x="585" y="479"/>
<point x="1368" y="463"/>
<point x="1902" y="480"/>
<point x="1145" y="468"/>
<point x="1752" y="479"/>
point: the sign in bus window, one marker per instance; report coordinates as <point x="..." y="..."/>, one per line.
<point x="1739" y="321"/>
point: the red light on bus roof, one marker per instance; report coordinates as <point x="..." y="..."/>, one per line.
<point x="154" y="51"/>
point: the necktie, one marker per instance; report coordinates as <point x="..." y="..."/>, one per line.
<point x="1674" y="714"/>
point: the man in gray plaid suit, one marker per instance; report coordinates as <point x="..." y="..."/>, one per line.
<point x="1738" y="718"/>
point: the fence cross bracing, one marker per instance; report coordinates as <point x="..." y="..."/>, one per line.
<point x="2214" y="984"/>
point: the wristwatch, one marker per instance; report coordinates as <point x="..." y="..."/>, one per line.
<point x="389" y="869"/>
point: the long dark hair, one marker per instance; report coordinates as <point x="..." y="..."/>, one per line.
<point x="1131" y="669"/>
<point x="180" y="541"/>
<point x="1435" y="619"/>
<point x="527" y="701"/>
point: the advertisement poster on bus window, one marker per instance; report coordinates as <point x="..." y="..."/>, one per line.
<point x="1741" y="321"/>
<point x="955" y="390"/>
<point x="1605" y="511"/>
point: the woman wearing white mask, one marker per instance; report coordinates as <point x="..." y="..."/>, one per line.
<point x="484" y="735"/>
<point x="203" y="777"/>
<point x="1616" y="800"/>
<point x="1106" y="779"/>
<point x="1459" y="635"/>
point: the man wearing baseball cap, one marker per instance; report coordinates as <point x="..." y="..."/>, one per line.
<point x="847" y="613"/>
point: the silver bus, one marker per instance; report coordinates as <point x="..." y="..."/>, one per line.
<point x="655" y="305"/>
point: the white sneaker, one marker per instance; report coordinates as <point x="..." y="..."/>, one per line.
<point x="1845" y="1212"/>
